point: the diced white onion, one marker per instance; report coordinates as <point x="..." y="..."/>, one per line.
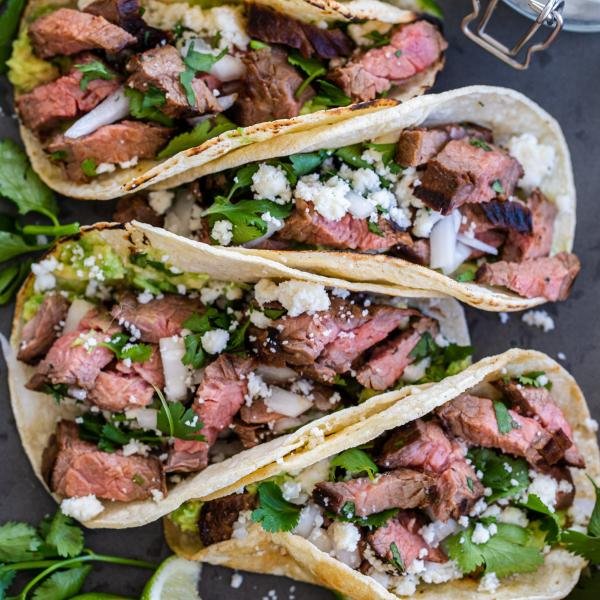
<point x="272" y="228"/>
<point x="286" y="423"/>
<point x="146" y="417"/>
<point x="310" y="517"/>
<point x="276" y="374"/>
<point x="287" y="403"/>
<point x="226" y="102"/>
<point x="78" y="309"/>
<point x="172" y="350"/>
<point x="114" y="108"/>
<point x="443" y="242"/>
<point x="228" y="68"/>
<point x="461" y="253"/>
<point x="477" y="244"/>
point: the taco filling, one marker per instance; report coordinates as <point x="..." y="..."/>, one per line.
<point x="128" y="81"/>
<point x="479" y="489"/>
<point x="166" y="372"/>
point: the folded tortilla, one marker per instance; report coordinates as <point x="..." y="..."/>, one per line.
<point x="145" y="173"/>
<point x="295" y="557"/>
<point x="36" y="413"/>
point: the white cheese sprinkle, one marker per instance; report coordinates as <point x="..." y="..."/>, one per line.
<point x="538" y="318"/>
<point x="83" y="508"/>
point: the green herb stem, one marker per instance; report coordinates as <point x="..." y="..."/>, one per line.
<point x="308" y="81"/>
<point x="52" y="230"/>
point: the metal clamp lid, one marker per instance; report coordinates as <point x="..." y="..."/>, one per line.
<point x="548" y="14"/>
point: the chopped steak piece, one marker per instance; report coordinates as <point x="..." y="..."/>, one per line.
<point x="325" y="398"/>
<point x="98" y="319"/>
<point x="476" y="224"/>
<point x="66" y="31"/>
<point x="80" y="469"/>
<point x="187" y="456"/>
<point x="115" y="391"/>
<point x="218" y="516"/>
<point x="419" y="445"/>
<point x="258" y="413"/>
<point x="251" y="435"/>
<point x="159" y="318"/>
<point x="462" y="173"/>
<point x="388" y="361"/>
<point x="62" y="99"/>
<point x="549" y="277"/>
<point x="456" y="491"/>
<point x="275" y="27"/>
<point x="150" y="370"/>
<point x="510" y="215"/>
<point x="42" y="329"/>
<point x="537" y="402"/>
<point x="306" y="225"/>
<point x="474" y="420"/>
<point x="75" y="358"/>
<point x="268" y="89"/>
<point x="403" y="531"/>
<point x="412" y="49"/>
<point x="159" y="68"/>
<point x="538" y="241"/>
<point x="402" y="488"/>
<point x="418" y="145"/>
<point x="136" y="207"/>
<point x="118" y="143"/>
<point x="414" y="250"/>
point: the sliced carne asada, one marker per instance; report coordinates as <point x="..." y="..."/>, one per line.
<point x="268" y="88"/>
<point x="136" y="208"/>
<point x="274" y="27"/>
<point x="80" y="469"/>
<point x="150" y="370"/>
<point x="412" y="49"/>
<point x="67" y="31"/>
<point x="418" y="145"/>
<point x="112" y="144"/>
<point x="463" y="173"/>
<point x="565" y="494"/>
<point x="550" y="277"/>
<point x="401" y="488"/>
<point x="414" y="250"/>
<point x="388" y="361"/>
<point x="40" y="332"/>
<point x="160" y="68"/>
<point x="475" y="224"/>
<point x="509" y="215"/>
<point x="99" y="319"/>
<point x="217" y="517"/>
<point x="159" y="318"/>
<point x="116" y="392"/>
<point x="403" y="531"/>
<point x="251" y="435"/>
<point x="187" y="456"/>
<point x="258" y="413"/>
<point x="306" y="225"/>
<point x="62" y="99"/>
<point x="538" y="403"/>
<point x="536" y="242"/>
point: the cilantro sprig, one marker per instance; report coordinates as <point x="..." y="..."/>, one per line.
<point x="196" y="62"/>
<point x="177" y="421"/>
<point x="535" y="379"/>
<point x="147" y="105"/>
<point x="92" y="70"/>
<point x="348" y="515"/>
<point x="503" y="418"/>
<point x="274" y="512"/>
<point x="352" y="462"/>
<point x="587" y="544"/>
<point x="119" y="344"/>
<point x="444" y="360"/>
<point x="504" y="475"/>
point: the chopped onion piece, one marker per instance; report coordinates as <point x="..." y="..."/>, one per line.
<point x="287" y="403"/>
<point x="172" y="350"/>
<point x="443" y="242"/>
<point x="272" y="228"/>
<point x="228" y="68"/>
<point x="226" y="102"/>
<point x="276" y="374"/>
<point x="114" y="108"/>
<point x="461" y="253"/>
<point x="477" y="244"/>
<point x="78" y="309"/>
<point x="146" y="417"/>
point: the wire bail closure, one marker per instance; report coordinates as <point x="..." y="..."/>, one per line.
<point x="549" y="14"/>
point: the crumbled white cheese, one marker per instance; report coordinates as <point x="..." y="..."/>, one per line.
<point x="561" y="356"/>
<point x="538" y="318"/>
<point x="222" y="232"/>
<point x="581" y="510"/>
<point x="260" y="320"/>
<point x="544" y="486"/>
<point x="271" y="183"/>
<point x="135" y="447"/>
<point x="215" y="341"/>
<point x="504" y="317"/>
<point x="436" y="531"/>
<point x="129" y="163"/>
<point x="481" y="534"/>
<point x="43" y="272"/>
<point x="424" y="221"/>
<point x="591" y="424"/>
<point x="144" y="297"/>
<point x="161" y="201"/>
<point x="345" y="535"/>
<point x="236" y="581"/>
<point x="340" y="293"/>
<point x="440" y="572"/>
<point x="240" y="527"/>
<point x="83" y="508"/>
<point x="406" y="585"/>
<point x="329" y="197"/>
<point x="514" y="515"/>
<point x="292" y="492"/>
<point x="489" y="583"/>
<point x="105" y="167"/>
<point x="537" y="159"/>
<point x="296" y="297"/>
<point x="311" y="518"/>
<point x="157" y="495"/>
<point x="362" y="180"/>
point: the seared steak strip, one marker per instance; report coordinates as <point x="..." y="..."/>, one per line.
<point x="218" y="516"/>
<point x="136" y="207"/>
<point x="116" y="392"/>
<point x="513" y="216"/>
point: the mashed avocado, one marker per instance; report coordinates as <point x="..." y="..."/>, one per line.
<point x="31" y="305"/>
<point x="26" y="70"/>
<point x="187" y="515"/>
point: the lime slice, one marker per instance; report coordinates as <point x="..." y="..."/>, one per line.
<point x="175" y="578"/>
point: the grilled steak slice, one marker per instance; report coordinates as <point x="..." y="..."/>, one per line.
<point x="275" y="27"/>
<point x="306" y="225"/>
<point x="258" y="413"/>
<point x="73" y="360"/>
<point x="150" y="370"/>
<point x="414" y="250"/>
<point x="116" y="391"/>
<point x="474" y="420"/>
<point x="251" y="435"/>
<point x="41" y="330"/>
<point x="51" y="103"/>
<point x="462" y="173"/>
<point x="159" y="318"/>
<point x="66" y="32"/>
<point x="81" y="469"/>
<point x="136" y="207"/>
<point x="550" y="277"/>
<point x="506" y="214"/>
<point x="403" y="531"/>
<point x="538" y="403"/>
<point x="456" y="491"/>
<point x="402" y="488"/>
<point x="187" y="456"/>
<point x="268" y="89"/>
<point x="418" y="145"/>
<point x="98" y="319"/>
<point x="218" y="516"/>
<point x="160" y="68"/>
<point x="412" y="49"/>
<point x="419" y="445"/>
<point x="537" y="241"/>
<point x="388" y="361"/>
<point x="118" y="143"/>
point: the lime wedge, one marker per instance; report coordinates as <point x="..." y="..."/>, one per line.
<point x="174" y="578"/>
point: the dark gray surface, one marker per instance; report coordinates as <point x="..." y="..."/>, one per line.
<point x="565" y="81"/>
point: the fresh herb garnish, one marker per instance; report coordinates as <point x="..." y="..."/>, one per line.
<point x="177" y="421"/>
<point x="535" y="379"/>
<point x="424" y="347"/>
<point x="444" y="360"/>
<point x="549" y="519"/>
<point x="89" y="166"/>
<point x="307" y="162"/>
<point x="57" y="390"/>
<point x="497" y="186"/>
<point x="466" y="272"/>
<point x="388" y="156"/>
<point x="348" y="514"/>
<point x="479" y="143"/>
<point x="123" y="349"/>
<point x="397" y="558"/>
<point x="256" y="45"/>
<point x="93" y="70"/>
<point x="352" y="156"/>
<point x="373" y="227"/>
<point x="146" y="105"/>
<point x="379" y="39"/>
<point x="354" y="462"/>
<point x="503" y="418"/>
<point x="313" y="67"/>
<point x="587" y="544"/>
<point x="274" y="513"/>
<point x="196" y="62"/>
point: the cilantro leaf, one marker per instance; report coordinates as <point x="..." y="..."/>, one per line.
<point x="274" y="513"/>
<point x="505" y="422"/>
<point x="257" y="45"/>
<point x="479" y="143"/>
<point x="313" y="67"/>
<point x="237" y="338"/>
<point x="532" y="378"/>
<point x="18" y="542"/>
<point x="347" y="514"/>
<point x="89" y="166"/>
<point x="352" y="156"/>
<point x="196" y="62"/>
<point x="9" y="25"/>
<point x="549" y="521"/>
<point x="62" y="584"/>
<point x="373" y="227"/>
<point x="497" y="186"/>
<point x="147" y="105"/>
<point x="466" y="272"/>
<point x="178" y="422"/>
<point x="388" y="155"/>
<point x="445" y="361"/>
<point x="94" y="69"/>
<point x="397" y="558"/>
<point x="431" y="7"/>
<point x="504" y="475"/>
<point x="65" y="536"/>
<point x="307" y="162"/>
<point x="12" y="245"/>
<point x="424" y="347"/>
<point x="204" y="131"/>
<point x="11" y="278"/>
<point x="594" y="524"/>
<point x="6" y="579"/>
<point x="354" y="461"/>
<point x="378" y="38"/>
<point x="119" y="344"/>
<point x="242" y="179"/>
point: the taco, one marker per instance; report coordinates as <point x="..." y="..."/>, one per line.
<point x="468" y="193"/>
<point x="146" y="370"/>
<point x="461" y="489"/>
<point x="107" y="89"/>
